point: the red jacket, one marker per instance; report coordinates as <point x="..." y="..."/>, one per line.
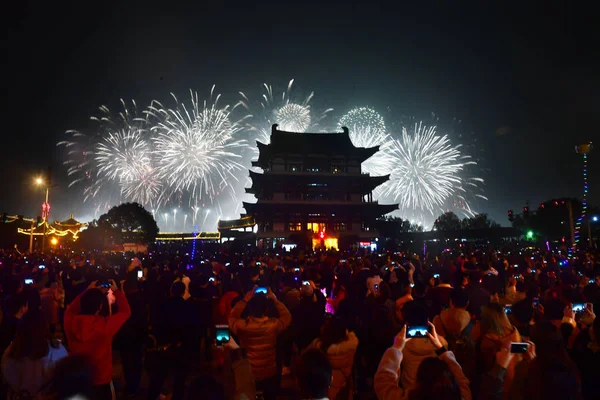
<point x="92" y="335"/>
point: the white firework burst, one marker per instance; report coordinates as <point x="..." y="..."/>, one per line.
<point x="195" y="148"/>
<point x="293" y="117"/>
<point x="426" y="175"/>
<point x="366" y="126"/>
<point x="110" y="155"/>
<point x="123" y="156"/>
<point x="367" y="129"/>
<point x="286" y="110"/>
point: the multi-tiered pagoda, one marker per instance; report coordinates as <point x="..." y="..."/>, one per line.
<point x="312" y="185"/>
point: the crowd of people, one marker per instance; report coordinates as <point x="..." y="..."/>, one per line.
<point x="466" y="323"/>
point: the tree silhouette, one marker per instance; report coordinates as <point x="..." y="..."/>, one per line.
<point x="447" y="222"/>
<point x="132" y="221"/>
<point x="479" y="221"/>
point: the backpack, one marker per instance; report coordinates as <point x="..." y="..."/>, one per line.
<point x="464" y="349"/>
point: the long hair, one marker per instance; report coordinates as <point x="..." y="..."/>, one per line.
<point x="31" y="339"/>
<point x="552" y="373"/>
<point x="334" y="331"/>
<point x="494" y="320"/>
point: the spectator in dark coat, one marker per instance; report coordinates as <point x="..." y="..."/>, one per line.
<point x="309" y="315"/>
<point x="130" y="339"/>
<point x="174" y="331"/>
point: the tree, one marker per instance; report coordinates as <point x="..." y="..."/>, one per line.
<point x="479" y="221"/>
<point x="447" y="222"/>
<point x="97" y="237"/>
<point x="132" y="221"/>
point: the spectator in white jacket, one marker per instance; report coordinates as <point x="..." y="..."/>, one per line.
<point x="28" y="362"/>
<point x="438" y="377"/>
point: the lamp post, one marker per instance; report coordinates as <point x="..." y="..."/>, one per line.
<point x="45" y="207"/>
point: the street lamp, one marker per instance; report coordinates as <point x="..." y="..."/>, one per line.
<point x="45" y="209"/>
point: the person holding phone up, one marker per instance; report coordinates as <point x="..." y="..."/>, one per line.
<point x="438" y="377"/>
<point x="257" y="335"/>
<point x="91" y="334"/>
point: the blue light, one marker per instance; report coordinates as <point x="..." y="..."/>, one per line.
<point x="595" y="218"/>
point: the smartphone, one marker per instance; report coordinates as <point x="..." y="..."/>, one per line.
<point x="578" y="307"/>
<point x="518" y="347"/>
<point x="211" y="279"/>
<point x="417" y="331"/>
<point x="41" y="266"/>
<point x="305" y="283"/>
<point x="508" y="309"/>
<point x="260" y="289"/>
<point x="436" y="276"/>
<point x="258" y="263"/>
<point x="222" y="334"/>
<point x="29" y="281"/>
<point x="536" y="301"/>
<point x="534" y="271"/>
<point x="296" y="269"/>
<point x="140" y="274"/>
<point x="227" y="264"/>
<point x="516" y="266"/>
<point x="592" y="280"/>
<point x="377" y="287"/>
<point x="412" y="285"/>
<point x="342" y="261"/>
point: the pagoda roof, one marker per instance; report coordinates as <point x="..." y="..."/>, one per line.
<point x="291" y="180"/>
<point x="327" y="144"/>
<point x="368" y="209"/>
<point x="71" y="223"/>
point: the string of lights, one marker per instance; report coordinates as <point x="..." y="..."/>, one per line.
<point x="194" y="241"/>
<point x="584" y="151"/>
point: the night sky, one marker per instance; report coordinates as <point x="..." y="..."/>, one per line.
<point x="524" y="80"/>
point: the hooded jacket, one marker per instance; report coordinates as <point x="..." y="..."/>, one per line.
<point x="491" y="343"/>
<point x="414" y="352"/>
<point x="341" y="358"/>
<point x="92" y="335"/>
<point x="386" y="378"/>
<point x="258" y="336"/>
<point x="451" y="321"/>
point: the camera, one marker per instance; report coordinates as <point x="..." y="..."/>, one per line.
<point x="518" y="347"/>
<point x="417" y="331"/>
<point x="260" y="290"/>
<point x="222" y="334"/>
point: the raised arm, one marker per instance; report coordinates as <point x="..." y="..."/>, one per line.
<point x="116" y="321"/>
<point x="285" y="318"/>
<point x="388" y="372"/>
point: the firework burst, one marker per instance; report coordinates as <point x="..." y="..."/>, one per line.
<point x="290" y="113"/>
<point x="113" y="154"/>
<point x="366" y="126"/>
<point x="367" y="129"/>
<point x="195" y="147"/>
<point x="426" y="175"/>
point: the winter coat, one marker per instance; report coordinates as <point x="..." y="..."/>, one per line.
<point x="92" y="335"/>
<point x="414" y="352"/>
<point x="31" y="375"/>
<point x="258" y="336"/>
<point x="386" y="378"/>
<point x="341" y="358"/>
<point x="51" y="298"/>
<point x="491" y="344"/>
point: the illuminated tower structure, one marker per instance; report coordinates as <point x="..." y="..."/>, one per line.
<point x="584" y="150"/>
<point x="312" y="185"/>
